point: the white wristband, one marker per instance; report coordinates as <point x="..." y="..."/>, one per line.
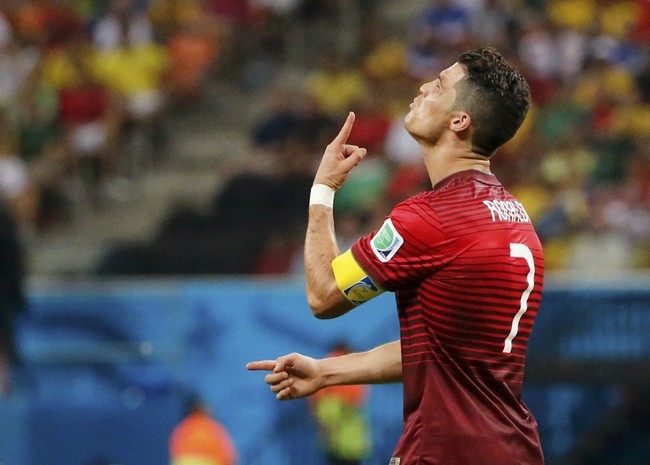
<point x="321" y="195"/>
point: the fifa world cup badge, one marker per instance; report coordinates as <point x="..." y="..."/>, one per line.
<point x="394" y="461"/>
<point x="386" y="242"/>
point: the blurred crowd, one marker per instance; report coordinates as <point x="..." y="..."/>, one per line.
<point x="579" y="164"/>
<point x="85" y="86"/>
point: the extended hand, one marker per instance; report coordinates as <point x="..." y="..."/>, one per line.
<point x="293" y="376"/>
<point x="339" y="158"/>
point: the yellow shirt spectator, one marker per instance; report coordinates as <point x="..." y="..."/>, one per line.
<point x="61" y="69"/>
<point x="615" y="82"/>
<point x="618" y="19"/>
<point x="129" y="71"/>
<point x="169" y="14"/>
<point x="574" y="14"/>
<point x="387" y="60"/>
<point x="633" y="120"/>
<point x="336" y="91"/>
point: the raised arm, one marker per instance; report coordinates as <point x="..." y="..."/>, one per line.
<point x="339" y="158"/>
<point x="294" y="375"/>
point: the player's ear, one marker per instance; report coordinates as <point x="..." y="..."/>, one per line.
<point x="460" y="121"/>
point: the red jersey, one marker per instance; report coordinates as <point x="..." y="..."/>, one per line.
<point x="467" y="269"/>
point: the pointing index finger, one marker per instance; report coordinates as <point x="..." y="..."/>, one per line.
<point x="344" y="133"/>
<point x="261" y="365"/>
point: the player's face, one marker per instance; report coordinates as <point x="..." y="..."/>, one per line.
<point x="431" y="110"/>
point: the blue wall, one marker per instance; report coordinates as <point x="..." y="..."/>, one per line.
<point x="107" y="367"/>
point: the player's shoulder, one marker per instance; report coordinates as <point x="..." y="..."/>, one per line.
<point x="422" y="200"/>
<point x="466" y="184"/>
<point x="455" y="192"/>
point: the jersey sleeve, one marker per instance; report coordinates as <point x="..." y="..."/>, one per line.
<point x="407" y="248"/>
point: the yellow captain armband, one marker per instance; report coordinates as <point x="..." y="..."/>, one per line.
<point x="353" y="282"/>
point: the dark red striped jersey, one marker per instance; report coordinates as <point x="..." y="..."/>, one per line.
<point x="467" y="269"/>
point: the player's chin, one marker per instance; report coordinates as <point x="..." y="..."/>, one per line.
<point x="411" y="123"/>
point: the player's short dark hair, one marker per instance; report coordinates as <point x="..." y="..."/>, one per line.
<point x="496" y="97"/>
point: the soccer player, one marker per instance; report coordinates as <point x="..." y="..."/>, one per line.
<point x="466" y="267"/>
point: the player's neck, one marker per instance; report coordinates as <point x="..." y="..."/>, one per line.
<point x="442" y="161"/>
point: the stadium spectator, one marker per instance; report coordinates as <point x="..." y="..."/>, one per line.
<point x="88" y="112"/>
<point x="133" y="66"/>
<point x="45" y="24"/>
<point x="42" y="144"/>
<point x="336" y="85"/>
<point x="279" y="120"/>
<point x="438" y="33"/>
<point x="12" y="293"/>
<point x="17" y="190"/>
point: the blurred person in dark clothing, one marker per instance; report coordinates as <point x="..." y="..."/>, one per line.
<point x="12" y="297"/>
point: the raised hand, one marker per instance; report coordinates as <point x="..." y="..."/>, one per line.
<point x="292" y="376"/>
<point x="339" y="158"/>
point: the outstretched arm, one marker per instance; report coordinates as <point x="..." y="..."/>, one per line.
<point x="294" y="375"/>
<point x="323" y="295"/>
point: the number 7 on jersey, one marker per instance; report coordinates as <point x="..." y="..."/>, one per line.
<point x="521" y="251"/>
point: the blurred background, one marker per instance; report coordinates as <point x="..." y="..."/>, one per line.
<point x="155" y="163"/>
